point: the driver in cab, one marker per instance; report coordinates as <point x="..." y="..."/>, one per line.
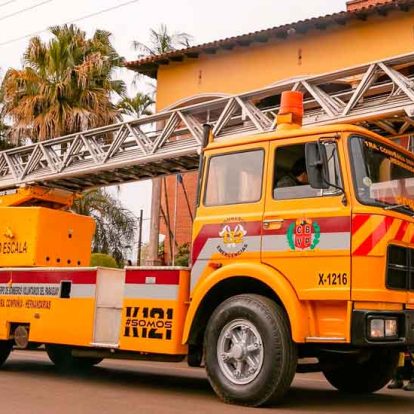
<point x="296" y="177"/>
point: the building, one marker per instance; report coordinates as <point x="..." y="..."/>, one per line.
<point x="368" y="30"/>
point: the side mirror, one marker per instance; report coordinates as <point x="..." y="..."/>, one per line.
<point x="317" y="165"/>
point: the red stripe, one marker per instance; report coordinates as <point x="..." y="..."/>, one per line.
<point x="254" y="228"/>
<point x="210" y="231"/>
<point x="401" y="231"/>
<point x="341" y="224"/>
<point x="84" y="277"/>
<point x="162" y="277"/>
<point x="371" y="241"/>
<point x="358" y="221"/>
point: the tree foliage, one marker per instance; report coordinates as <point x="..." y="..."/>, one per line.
<point x="103" y="260"/>
<point x="182" y="258"/>
<point x="162" y="41"/>
<point x="4" y="136"/>
<point x="137" y="106"/>
<point x="115" y="225"/>
<point x="65" y="85"/>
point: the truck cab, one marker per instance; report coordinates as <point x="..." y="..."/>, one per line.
<point x="331" y="251"/>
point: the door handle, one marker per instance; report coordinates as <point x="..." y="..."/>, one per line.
<point x="273" y="223"/>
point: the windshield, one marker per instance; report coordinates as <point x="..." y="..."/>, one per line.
<point x="383" y="175"/>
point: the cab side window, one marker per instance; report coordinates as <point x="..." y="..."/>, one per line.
<point x="234" y="178"/>
<point x="290" y="179"/>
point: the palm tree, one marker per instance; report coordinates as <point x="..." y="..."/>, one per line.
<point x="4" y="136"/>
<point x="4" y="130"/>
<point x="137" y="106"/>
<point x="115" y="225"/>
<point x="162" y="41"/>
<point x="65" y="85"/>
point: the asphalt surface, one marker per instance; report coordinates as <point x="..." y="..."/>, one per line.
<point x="29" y="384"/>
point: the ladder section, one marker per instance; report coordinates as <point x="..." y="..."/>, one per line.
<point x="378" y="96"/>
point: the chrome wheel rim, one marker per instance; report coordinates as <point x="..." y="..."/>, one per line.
<point x="240" y="352"/>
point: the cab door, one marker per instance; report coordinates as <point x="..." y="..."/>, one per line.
<point x="306" y="231"/>
<point x="228" y="224"/>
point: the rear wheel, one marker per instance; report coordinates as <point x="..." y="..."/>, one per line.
<point x="5" y="349"/>
<point x="62" y="357"/>
<point x="250" y="357"/>
<point x="365" y="374"/>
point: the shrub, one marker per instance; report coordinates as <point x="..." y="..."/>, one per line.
<point x="103" y="260"/>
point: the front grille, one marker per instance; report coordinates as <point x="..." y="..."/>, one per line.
<point x="400" y="268"/>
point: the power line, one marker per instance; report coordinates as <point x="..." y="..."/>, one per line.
<point x="7" y="2"/>
<point x="24" y="10"/>
<point x="70" y="22"/>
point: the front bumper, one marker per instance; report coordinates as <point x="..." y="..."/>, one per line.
<point x="360" y="334"/>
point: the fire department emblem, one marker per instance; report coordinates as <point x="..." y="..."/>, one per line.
<point x="303" y="234"/>
<point x="232" y="239"/>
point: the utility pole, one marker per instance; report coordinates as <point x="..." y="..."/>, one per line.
<point x="175" y="217"/>
<point x="141" y="213"/>
<point x="153" y="259"/>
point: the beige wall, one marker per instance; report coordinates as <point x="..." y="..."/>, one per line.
<point x="247" y="68"/>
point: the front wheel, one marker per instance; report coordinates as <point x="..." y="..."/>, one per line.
<point x="5" y="349"/>
<point x="366" y="374"/>
<point x="250" y="357"/>
<point x="62" y="357"/>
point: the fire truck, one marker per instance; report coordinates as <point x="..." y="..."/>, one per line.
<point x="303" y="247"/>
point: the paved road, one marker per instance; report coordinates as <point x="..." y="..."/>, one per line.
<point x="29" y="384"/>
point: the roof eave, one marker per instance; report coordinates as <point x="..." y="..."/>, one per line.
<point x="149" y="65"/>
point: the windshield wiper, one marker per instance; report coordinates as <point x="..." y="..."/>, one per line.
<point x="395" y="206"/>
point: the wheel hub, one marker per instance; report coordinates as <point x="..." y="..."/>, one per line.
<point x="240" y="351"/>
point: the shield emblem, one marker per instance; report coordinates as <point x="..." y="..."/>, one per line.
<point x="303" y="234"/>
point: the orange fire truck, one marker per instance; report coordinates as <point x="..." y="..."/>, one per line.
<point x="303" y="246"/>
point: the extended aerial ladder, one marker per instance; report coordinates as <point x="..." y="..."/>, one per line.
<point x="377" y="95"/>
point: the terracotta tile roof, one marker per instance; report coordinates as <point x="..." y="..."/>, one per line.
<point x="149" y="65"/>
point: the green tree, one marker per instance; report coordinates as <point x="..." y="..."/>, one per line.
<point x="103" y="260"/>
<point x="4" y="129"/>
<point x="115" y="225"/>
<point x="65" y="85"/>
<point x="4" y="136"/>
<point x="162" y="41"/>
<point x="137" y="106"/>
<point x="182" y="257"/>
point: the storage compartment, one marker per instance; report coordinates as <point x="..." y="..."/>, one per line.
<point x="109" y="299"/>
<point x="154" y="309"/>
<point x="37" y="236"/>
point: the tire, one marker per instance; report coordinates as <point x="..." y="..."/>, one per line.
<point x="5" y="349"/>
<point x="363" y="376"/>
<point x="254" y="320"/>
<point x="31" y="346"/>
<point x="62" y="357"/>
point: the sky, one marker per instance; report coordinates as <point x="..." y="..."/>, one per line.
<point x="206" y="21"/>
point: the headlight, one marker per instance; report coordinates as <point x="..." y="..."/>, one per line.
<point x="383" y="328"/>
<point x="391" y="327"/>
<point x="377" y="328"/>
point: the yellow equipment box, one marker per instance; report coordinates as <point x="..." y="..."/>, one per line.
<point x="38" y="236"/>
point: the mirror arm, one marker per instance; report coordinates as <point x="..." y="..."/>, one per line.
<point x="344" y="197"/>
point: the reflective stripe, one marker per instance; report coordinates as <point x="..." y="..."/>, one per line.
<point x="82" y="291"/>
<point x="143" y="291"/>
<point x="328" y="241"/>
<point x="272" y="243"/>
